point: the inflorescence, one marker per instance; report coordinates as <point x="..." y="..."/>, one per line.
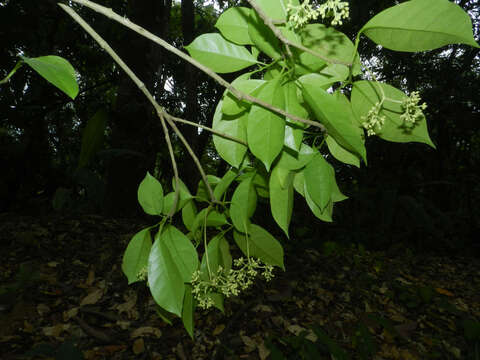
<point x="412" y="111"/>
<point x="228" y="282"/>
<point x="373" y="121"/>
<point x="300" y="15"/>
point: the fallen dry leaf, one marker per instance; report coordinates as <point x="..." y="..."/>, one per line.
<point x="42" y="309"/>
<point x="92" y="298"/>
<point x="218" y="329"/>
<point x="67" y="315"/>
<point x="138" y="346"/>
<point x="249" y="343"/>
<point x="56" y="330"/>
<point x="145" y="331"/>
<point x="263" y="351"/>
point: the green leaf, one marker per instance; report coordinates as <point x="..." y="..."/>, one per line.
<point x="324" y="214"/>
<point x="220" y="55"/>
<point x="218" y="255"/>
<point x="322" y="81"/>
<point x="188" y="310"/>
<point x="172" y="261"/>
<point x="150" y="195"/>
<point x="291" y="160"/>
<point x="224" y="184"/>
<point x="233" y="24"/>
<point x="135" y="258"/>
<point x="244" y="203"/>
<point x="92" y="137"/>
<point x="261" y="244"/>
<point x="189" y="212"/>
<point x="214" y="219"/>
<point x="230" y="151"/>
<point x="341" y="154"/>
<point x="281" y="197"/>
<point x="202" y="193"/>
<point x="366" y="94"/>
<point x="328" y="42"/>
<point x="335" y="114"/>
<point x="263" y="38"/>
<point x="266" y="129"/>
<point x="319" y="180"/>
<point x="231" y="105"/>
<point x="57" y="71"/>
<point x="276" y="9"/>
<point x="293" y="128"/>
<point x="420" y="25"/>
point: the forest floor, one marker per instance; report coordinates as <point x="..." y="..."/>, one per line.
<point x="63" y="296"/>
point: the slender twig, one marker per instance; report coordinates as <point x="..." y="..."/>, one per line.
<point x="160" y="112"/>
<point x="238" y="94"/>
<point x="213" y="131"/>
<point x="270" y="23"/>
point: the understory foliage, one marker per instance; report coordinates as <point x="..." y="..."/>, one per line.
<point x="303" y="98"/>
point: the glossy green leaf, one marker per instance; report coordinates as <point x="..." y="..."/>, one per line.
<point x="233" y="24"/>
<point x="213" y="219"/>
<point x="231" y="151"/>
<point x="92" y="137"/>
<point x="220" y="55"/>
<point x="218" y="256"/>
<point x="324" y="214"/>
<point x="167" y="272"/>
<point x="335" y="114"/>
<point x="263" y="38"/>
<point x="291" y="160"/>
<point x="420" y="25"/>
<point x="341" y="154"/>
<point x="150" y="195"/>
<point x="231" y="105"/>
<point x="266" y="129"/>
<point x="319" y="180"/>
<point x="135" y="258"/>
<point x="276" y="9"/>
<point x="321" y="81"/>
<point x="328" y="42"/>
<point x="281" y="197"/>
<point x="244" y="203"/>
<point x="57" y="71"/>
<point x="367" y="93"/>
<point x="188" y="310"/>
<point x="202" y="192"/>
<point x="293" y="129"/>
<point x="261" y="244"/>
<point x="224" y="184"/>
<point x="189" y="212"/>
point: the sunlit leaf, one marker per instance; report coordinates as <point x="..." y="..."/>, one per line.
<point x="233" y="24"/>
<point x="150" y="195"/>
<point x="57" y="71"/>
<point x="220" y="55"/>
<point x="420" y="25"/>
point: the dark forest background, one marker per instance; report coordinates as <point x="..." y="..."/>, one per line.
<point x="409" y="195"/>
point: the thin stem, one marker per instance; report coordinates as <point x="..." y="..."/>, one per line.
<point x="226" y="136"/>
<point x="238" y="94"/>
<point x="160" y="112"/>
<point x="270" y="23"/>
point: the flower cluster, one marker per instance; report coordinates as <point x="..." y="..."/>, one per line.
<point x="300" y="15"/>
<point x="373" y="121"/>
<point x="336" y="9"/>
<point x="143" y="274"/>
<point x="229" y="282"/>
<point x="412" y="111"/>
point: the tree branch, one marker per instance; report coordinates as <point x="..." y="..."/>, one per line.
<point x="238" y="94"/>
<point x="160" y="112"/>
